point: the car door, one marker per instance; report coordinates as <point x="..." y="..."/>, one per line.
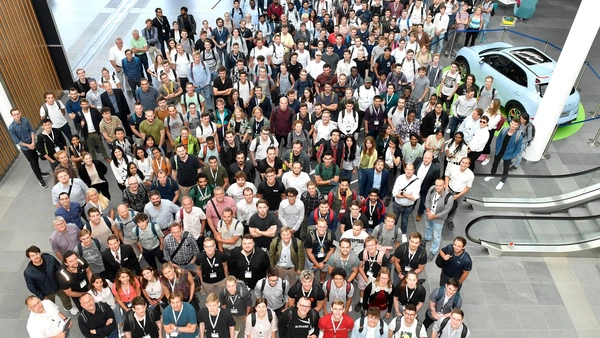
<point x="509" y="80"/>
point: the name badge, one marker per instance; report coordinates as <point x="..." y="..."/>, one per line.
<point x="212" y="275"/>
<point x="407" y="268"/>
<point x="146" y="336"/>
<point x="174" y="334"/>
<point x="342" y="211"/>
<point x="56" y="149"/>
<point x="220" y="42"/>
<point x="248" y="274"/>
<point x="234" y="311"/>
<point x="321" y="255"/>
<point x="214" y="335"/>
<point x="83" y="284"/>
<point x="370" y="222"/>
<point x="370" y="274"/>
<point x="164" y="31"/>
<point x="376" y="122"/>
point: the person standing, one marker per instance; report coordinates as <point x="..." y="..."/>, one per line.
<point x="139" y="46"/>
<point x="508" y="146"/>
<point x="480" y="137"/>
<point x="438" y="205"/>
<point x="458" y="182"/>
<point x="147" y="318"/>
<point x="406" y="192"/>
<point x="185" y="169"/>
<point x="23" y="135"/>
<point x="293" y="321"/>
<point x="458" y="262"/>
<point x="180" y="248"/>
<point x="45" y="320"/>
<point x="336" y="324"/>
<point x="164" y="28"/>
<point x="215" y="321"/>
<point x="179" y="317"/>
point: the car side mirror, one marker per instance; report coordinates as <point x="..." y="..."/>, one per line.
<point x="481" y="60"/>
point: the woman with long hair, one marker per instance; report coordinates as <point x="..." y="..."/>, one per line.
<point x="240" y="125"/>
<point x="93" y="174"/>
<point x="379" y="293"/>
<point x="234" y="37"/>
<point x="409" y="291"/>
<point x="264" y="320"/>
<point x="125" y="288"/>
<point x="423" y="56"/>
<point x="298" y="133"/>
<point x="144" y="165"/>
<point x="150" y="144"/>
<point x="309" y="98"/>
<point x="393" y="161"/>
<point x="494" y="115"/>
<point x="407" y="126"/>
<point x="368" y="156"/>
<point x="132" y="170"/>
<point x="119" y="165"/>
<point x="113" y="79"/>
<point x="159" y="161"/>
<point x="234" y="101"/>
<point x="383" y="139"/>
<point x="171" y="47"/>
<point x="475" y="25"/>
<point x="155" y="69"/>
<point x="435" y="144"/>
<point x="101" y="292"/>
<point x="152" y="288"/>
<point x="96" y="200"/>
<point x="175" y="278"/>
<point x="351" y="158"/>
<point x="455" y="149"/>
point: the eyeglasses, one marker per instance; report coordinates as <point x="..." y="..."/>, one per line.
<point x="304" y="306"/>
<point x="410" y="314"/>
<point x="484" y="122"/>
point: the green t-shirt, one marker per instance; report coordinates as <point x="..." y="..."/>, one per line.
<point x="326" y="174"/>
<point x="152" y="129"/>
<point x="139" y="43"/>
<point x="201" y="196"/>
<point x="196" y="98"/>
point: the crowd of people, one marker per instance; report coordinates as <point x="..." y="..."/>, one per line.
<point x="235" y="169"/>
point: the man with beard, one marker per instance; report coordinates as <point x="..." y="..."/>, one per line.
<point x="247" y="263"/>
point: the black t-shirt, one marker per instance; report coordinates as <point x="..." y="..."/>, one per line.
<point x="77" y="282"/>
<point x="262" y="224"/>
<point x="252" y="273"/>
<point x="213" y="270"/>
<point x="263" y="165"/>
<point x="370" y="263"/>
<point x="200" y="44"/>
<point x="320" y="245"/>
<point x="220" y="85"/>
<point x="409" y="260"/>
<point x="316" y="293"/>
<point x="186" y="171"/>
<point x="135" y="121"/>
<point x="130" y="324"/>
<point x="271" y="193"/>
<point x="41" y="268"/>
<point x="291" y="326"/>
<point x="362" y="66"/>
<point x="414" y="296"/>
<point x="238" y="303"/>
<point x="223" y="321"/>
<point x="462" y="89"/>
<point x="347" y="220"/>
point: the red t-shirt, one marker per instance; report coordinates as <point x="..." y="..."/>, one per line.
<point x="326" y="325"/>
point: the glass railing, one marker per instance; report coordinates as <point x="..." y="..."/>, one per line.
<point x="536" y="186"/>
<point x="533" y="230"/>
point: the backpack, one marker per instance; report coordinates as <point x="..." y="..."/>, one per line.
<point x="212" y="128"/>
<point x="262" y="290"/>
<point x="106" y="221"/>
<point x="186" y="54"/>
<point x="269" y="316"/>
<point x="313" y="235"/>
<point x="242" y="286"/>
<point x="493" y="91"/>
<point x="309" y="118"/>
<point x="185" y="103"/>
<point x="443" y="324"/>
<point x="532" y="132"/>
<point x="312" y="313"/>
<point x="239" y="9"/>
<point x="61" y="106"/>
<point x="121" y="224"/>
<point x="380" y="235"/>
<point x="415" y="68"/>
<point x="169" y="119"/>
<point x="348" y="287"/>
<point x="412" y="8"/>
<point x="80" y="247"/>
<point x="294" y="244"/>
<point x="493" y="12"/>
<point x="362" y="325"/>
<point x="404" y="249"/>
<point x="329" y="221"/>
<point x="270" y="137"/>
<point x="131" y="320"/>
<point x="151" y="225"/>
<point x="418" y="329"/>
<point x="100" y="306"/>
<point x="380" y="255"/>
<point x="321" y="166"/>
<point x="440" y="295"/>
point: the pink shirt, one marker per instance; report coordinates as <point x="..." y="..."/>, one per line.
<point x="228" y="202"/>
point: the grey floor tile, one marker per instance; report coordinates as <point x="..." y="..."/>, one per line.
<point x="483" y="334"/>
<point x="536" y="334"/>
<point x="531" y="317"/>
<point x="495" y="293"/>
<point x="479" y="317"/>
<point x="563" y="334"/>
<point x="521" y="294"/>
<point x="513" y="271"/>
<point x="537" y="272"/>
<point x="557" y="317"/>
<point x="11" y="306"/>
<point x="472" y="294"/>
<point x="504" y="317"/>
<point x="586" y="272"/>
<point x="547" y="294"/>
<point x="489" y="271"/>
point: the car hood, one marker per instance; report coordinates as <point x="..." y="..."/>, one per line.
<point x="480" y="48"/>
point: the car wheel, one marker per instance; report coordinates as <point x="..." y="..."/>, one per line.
<point x="514" y="110"/>
<point x="463" y="67"/>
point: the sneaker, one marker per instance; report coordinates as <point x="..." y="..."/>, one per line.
<point x="430" y="257"/>
<point x="512" y="168"/>
<point x="500" y="185"/>
<point x="45" y="174"/>
<point x="43" y="184"/>
<point x="448" y="131"/>
<point x="451" y="225"/>
<point x="404" y="239"/>
<point x="488" y="178"/>
<point x="358" y="307"/>
<point x="426" y="240"/>
<point x="486" y="161"/>
<point x="419" y="217"/>
<point x="74" y="311"/>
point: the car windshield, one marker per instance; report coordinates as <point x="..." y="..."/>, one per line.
<point x="541" y="88"/>
<point x="530" y="56"/>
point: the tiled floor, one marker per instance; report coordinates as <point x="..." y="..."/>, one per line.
<point x="505" y="296"/>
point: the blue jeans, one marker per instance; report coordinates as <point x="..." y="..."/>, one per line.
<point x="206" y="92"/>
<point x="402" y="213"/>
<point x="486" y="22"/>
<point x="347" y="173"/>
<point x="433" y="229"/>
<point x="114" y="334"/>
<point x="519" y="157"/>
<point x="440" y="43"/>
<point x="454" y="123"/>
<point x="118" y="314"/>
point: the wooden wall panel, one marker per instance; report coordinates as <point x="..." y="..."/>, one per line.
<point x="25" y="66"/>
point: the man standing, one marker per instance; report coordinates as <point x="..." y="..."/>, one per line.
<point x="132" y="66"/>
<point x="406" y="192"/>
<point x="147" y="95"/>
<point x="319" y="246"/>
<point x="428" y="172"/>
<point x="458" y="262"/>
<point x="49" y="142"/>
<point x="336" y="324"/>
<point x="186" y="21"/>
<point x="97" y="319"/>
<point x="211" y="267"/>
<point x="201" y="78"/>
<point x="281" y="119"/>
<point x="45" y="320"/>
<point x="75" y="187"/>
<point x="193" y="219"/>
<point x="459" y="182"/>
<point x="54" y="111"/>
<point x="90" y="120"/>
<point x="74" y="276"/>
<point x="461" y="108"/>
<point x="116" y="54"/>
<point x="286" y="254"/>
<point x="179" y="317"/>
<point x="164" y="28"/>
<point x="40" y="277"/>
<point x="150" y="33"/>
<point x="438" y="204"/>
<point x="216" y="205"/>
<point x="296" y="178"/>
<point x="441" y="329"/>
<point x="160" y="210"/>
<point x="154" y="128"/>
<point x="114" y="100"/>
<point x="272" y="190"/>
<point x="185" y="168"/>
<point x="327" y="174"/>
<point x="214" y="321"/>
<point x="149" y="239"/>
<point x="118" y="256"/>
<point x="263" y="225"/>
<point x="374" y="117"/>
<point x="23" y="135"/>
<point x="64" y="238"/>
<point x="299" y="321"/>
<point x="148" y="320"/>
<point x="247" y="263"/>
<point x="135" y="195"/>
<point x="140" y="46"/>
<point x="274" y="289"/>
<point x="180" y="248"/>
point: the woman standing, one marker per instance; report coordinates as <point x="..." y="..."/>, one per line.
<point x="101" y="293"/>
<point x="152" y="289"/>
<point x="236" y="37"/>
<point x="234" y="101"/>
<point x="159" y="162"/>
<point x="407" y="126"/>
<point x="393" y="161"/>
<point x="309" y="98"/>
<point x="240" y="125"/>
<point x="149" y="144"/>
<point x="435" y="144"/>
<point x="494" y="115"/>
<point x="262" y="322"/>
<point x="298" y="133"/>
<point x="379" y="293"/>
<point x="100" y="202"/>
<point x="125" y="289"/>
<point x="351" y="158"/>
<point x="509" y="144"/>
<point x="144" y="165"/>
<point x="92" y="173"/>
<point x="423" y="56"/>
<point x="455" y="151"/>
<point x="409" y="292"/>
<point x="132" y="170"/>
<point x="177" y="279"/>
<point x="383" y="139"/>
<point x="155" y="69"/>
<point x="119" y="165"/>
<point x="368" y="156"/>
<point x="475" y="25"/>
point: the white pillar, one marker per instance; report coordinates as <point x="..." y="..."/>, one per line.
<point x="576" y="48"/>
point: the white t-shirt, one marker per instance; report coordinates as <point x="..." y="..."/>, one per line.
<point x="260" y="151"/>
<point x="357" y="243"/>
<point x="264" y="51"/>
<point x="323" y="130"/>
<point x="237" y="193"/>
<point x="449" y="81"/>
<point x="304" y="58"/>
<point x="245" y="210"/>
<point x="236" y="229"/>
<point x="315" y="69"/>
<point x="182" y="64"/>
<point x="244" y="89"/>
<point x="290" y="181"/>
<point x="205" y="131"/>
<point x="191" y="221"/>
<point x="54" y="113"/>
<point x="410" y="331"/>
<point x="45" y="324"/>
<point x="408" y="68"/>
<point x="459" y="180"/>
<point x="117" y="54"/>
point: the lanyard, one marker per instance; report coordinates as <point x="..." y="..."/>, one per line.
<point x="51" y="137"/>
<point x="344" y="262"/>
<point x="205" y="193"/>
<point x="307" y="294"/>
<point x="177" y="317"/>
<point x="173" y="288"/>
<point x="128" y="290"/>
<point x="216" y="320"/>
<point x="249" y="260"/>
<point x="215" y="174"/>
<point x="322" y="242"/>
<point x="411" y="294"/>
<point x="159" y="165"/>
<point x="232" y="299"/>
<point x="78" y="151"/>
<point x="410" y="258"/>
<point x="372" y="261"/>
<point x="144" y="321"/>
<point x="435" y="200"/>
<point x="211" y="264"/>
<point x="372" y="209"/>
<point x="388" y="99"/>
<point x="335" y="329"/>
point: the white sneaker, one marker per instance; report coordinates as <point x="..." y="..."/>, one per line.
<point x="488" y="178"/>
<point x="74" y="311"/>
<point x="448" y="131"/>
<point x="500" y="185"/>
<point x="404" y="239"/>
<point x="486" y="161"/>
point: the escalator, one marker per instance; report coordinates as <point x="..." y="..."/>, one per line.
<point x="543" y="214"/>
<point x="537" y="193"/>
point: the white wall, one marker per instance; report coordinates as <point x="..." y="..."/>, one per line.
<point x="5" y="106"/>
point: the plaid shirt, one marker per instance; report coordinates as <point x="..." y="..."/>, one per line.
<point x="310" y="203"/>
<point x="188" y="250"/>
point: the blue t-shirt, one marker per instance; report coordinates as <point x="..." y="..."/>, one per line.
<point x="457" y="264"/>
<point x="185" y="316"/>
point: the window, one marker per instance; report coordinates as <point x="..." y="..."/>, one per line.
<point x="498" y="62"/>
<point x="517" y="75"/>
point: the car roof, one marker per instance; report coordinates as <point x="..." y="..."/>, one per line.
<point x="533" y="59"/>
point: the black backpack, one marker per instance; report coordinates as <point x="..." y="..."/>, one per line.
<point x="262" y="290"/>
<point x="417" y="331"/>
<point x="80" y="247"/>
<point x="294" y="241"/>
<point x="443" y="324"/>
<point x="362" y="325"/>
<point x="131" y="320"/>
<point x="269" y="315"/>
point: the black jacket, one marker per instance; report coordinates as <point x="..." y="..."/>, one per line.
<point x="265" y="106"/>
<point x="429" y="180"/>
<point x="192" y="23"/>
<point x="100" y="168"/>
<point x="128" y="260"/>
<point x="164" y="29"/>
<point x="44" y="144"/>
<point x="97" y="321"/>
<point x="228" y="153"/>
<point x="41" y="284"/>
<point x="428" y="123"/>
<point x="121" y="102"/>
<point x="96" y="118"/>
